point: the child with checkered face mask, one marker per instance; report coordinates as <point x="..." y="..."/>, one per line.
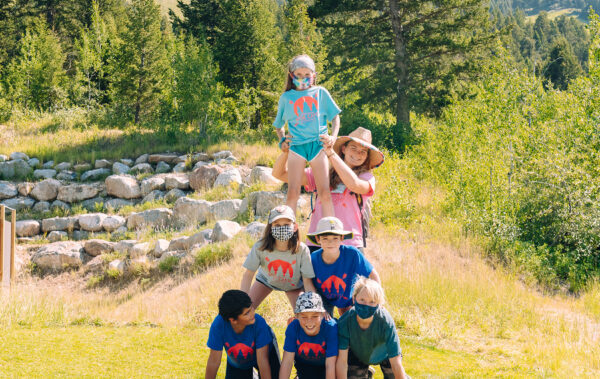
<point x="282" y="261"/>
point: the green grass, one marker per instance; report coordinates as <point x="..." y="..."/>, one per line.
<point x="104" y="351"/>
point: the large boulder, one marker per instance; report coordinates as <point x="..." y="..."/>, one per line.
<point x="97" y="247"/>
<point x="124" y="246"/>
<point x="225" y="230"/>
<point x="91" y="222"/>
<point x="179" y="181"/>
<point x="34" y="162"/>
<point x="15" y="168"/>
<point x="191" y="211"/>
<point x="224" y="154"/>
<point x="57" y="235"/>
<point x="162" y="167"/>
<point x="160" y="247"/>
<point x="59" y="223"/>
<point x="179" y="167"/>
<point x="142" y="159"/>
<point x="142" y="168"/>
<point x="102" y="163"/>
<point x="116" y="204"/>
<point x="57" y="204"/>
<point x="150" y="184"/>
<point x="155" y="218"/>
<point x="186" y="243"/>
<point x="19" y="203"/>
<point x="153" y="196"/>
<point x="60" y="255"/>
<point x="94" y="204"/>
<point x="7" y="190"/>
<point x="49" y="164"/>
<point x="25" y="188"/>
<point x="204" y="177"/>
<point x="63" y="166"/>
<point x="95" y="174"/>
<point x="173" y="195"/>
<point x="113" y="222"/>
<point x="255" y="229"/>
<point x="267" y="200"/>
<point x="67" y="176"/>
<point x="227" y="178"/>
<point x="119" y="168"/>
<point x="139" y="249"/>
<point x="123" y="186"/>
<point x="46" y="190"/>
<point x="168" y="158"/>
<point x="74" y="193"/>
<point x="226" y="209"/>
<point x="28" y="228"/>
<point x="118" y="265"/>
<point x="45" y="173"/>
<point x="19" y="155"/>
<point x="260" y="174"/>
<point x="41" y="207"/>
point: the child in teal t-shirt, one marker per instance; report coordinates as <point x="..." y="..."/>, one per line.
<point x="306" y="109"/>
<point x="367" y="336"/>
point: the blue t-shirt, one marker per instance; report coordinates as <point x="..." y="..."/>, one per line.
<point x="312" y="350"/>
<point x="335" y="282"/>
<point x="376" y="343"/>
<point x="306" y="113"/>
<point x="241" y="348"/>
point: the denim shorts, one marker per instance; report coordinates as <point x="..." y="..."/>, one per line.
<point x="308" y="150"/>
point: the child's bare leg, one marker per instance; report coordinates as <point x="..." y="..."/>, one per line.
<point x="293" y="296"/>
<point x="296" y="166"/>
<point x="320" y="169"/>
<point x="258" y="292"/>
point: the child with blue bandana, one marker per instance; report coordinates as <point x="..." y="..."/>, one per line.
<point x="306" y="109"/>
<point x="367" y="336"/>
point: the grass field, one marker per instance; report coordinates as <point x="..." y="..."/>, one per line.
<point x="458" y="315"/>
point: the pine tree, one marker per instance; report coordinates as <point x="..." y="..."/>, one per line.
<point x="561" y="67"/>
<point x="403" y="55"/>
<point x="142" y="66"/>
<point x="300" y="33"/>
<point x="36" y="79"/>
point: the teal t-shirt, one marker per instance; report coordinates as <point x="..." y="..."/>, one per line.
<point x="306" y="113"/>
<point x="372" y="346"/>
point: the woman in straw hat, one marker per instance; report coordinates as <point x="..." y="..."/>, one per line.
<point x="352" y="183"/>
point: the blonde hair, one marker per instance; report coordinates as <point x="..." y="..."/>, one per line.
<point x="372" y="288"/>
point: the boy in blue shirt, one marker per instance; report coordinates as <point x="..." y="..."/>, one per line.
<point x="248" y="341"/>
<point x="337" y="266"/>
<point x="310" y="340"/>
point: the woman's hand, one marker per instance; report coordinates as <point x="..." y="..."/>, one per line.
<point x="285" y="144"/>
<point x="327" y="142"/>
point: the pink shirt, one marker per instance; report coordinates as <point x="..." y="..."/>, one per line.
<point x="344" y="204"/>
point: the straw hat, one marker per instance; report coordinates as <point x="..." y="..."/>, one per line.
<point x="363" y="137"/>
<point x="329" y="225"/>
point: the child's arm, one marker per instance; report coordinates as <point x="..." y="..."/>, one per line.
<point x="375" y="276"/>
<point x="262" y="358"/>
<point x="213" y="363"/>
<point x="286" y="365"/>
<point x="341" y="365"/>
<point x="308" y="284"/>
<point x="330" y="367"/>
<point x="247" y="280"/>
<point x="397" y="368"/>
<point x="349" y="178"/>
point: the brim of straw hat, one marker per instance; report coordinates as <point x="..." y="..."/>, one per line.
<point x="376" y="157"/>
<point x="347" y="235"/>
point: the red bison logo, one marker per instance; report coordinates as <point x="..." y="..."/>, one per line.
<point x="285" y="266"/>
<point x="307" y="347"/>
<point x="299" y="104"/>
<point x="238" y="348"/>
<point x="333" y="282"/>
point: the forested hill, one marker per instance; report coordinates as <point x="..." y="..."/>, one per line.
<point x="577" y="8"/>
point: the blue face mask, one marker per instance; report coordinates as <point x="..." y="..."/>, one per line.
<point x="303" y="83"/>
<point x="365" y="311"/>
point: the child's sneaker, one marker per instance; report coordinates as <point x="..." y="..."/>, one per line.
<point x="371" y="372"/>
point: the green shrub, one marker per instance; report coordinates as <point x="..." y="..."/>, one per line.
<point x="212" y="254"/>
<point x="168" y="264"/>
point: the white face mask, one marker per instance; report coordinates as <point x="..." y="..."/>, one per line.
<point x="282" y="232"/>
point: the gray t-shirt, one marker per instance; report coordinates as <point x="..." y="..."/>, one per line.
<point x="281" y="270"/>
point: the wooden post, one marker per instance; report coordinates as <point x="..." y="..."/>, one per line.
<point x="13" y="244"/>
<point x="1" y="243"/>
